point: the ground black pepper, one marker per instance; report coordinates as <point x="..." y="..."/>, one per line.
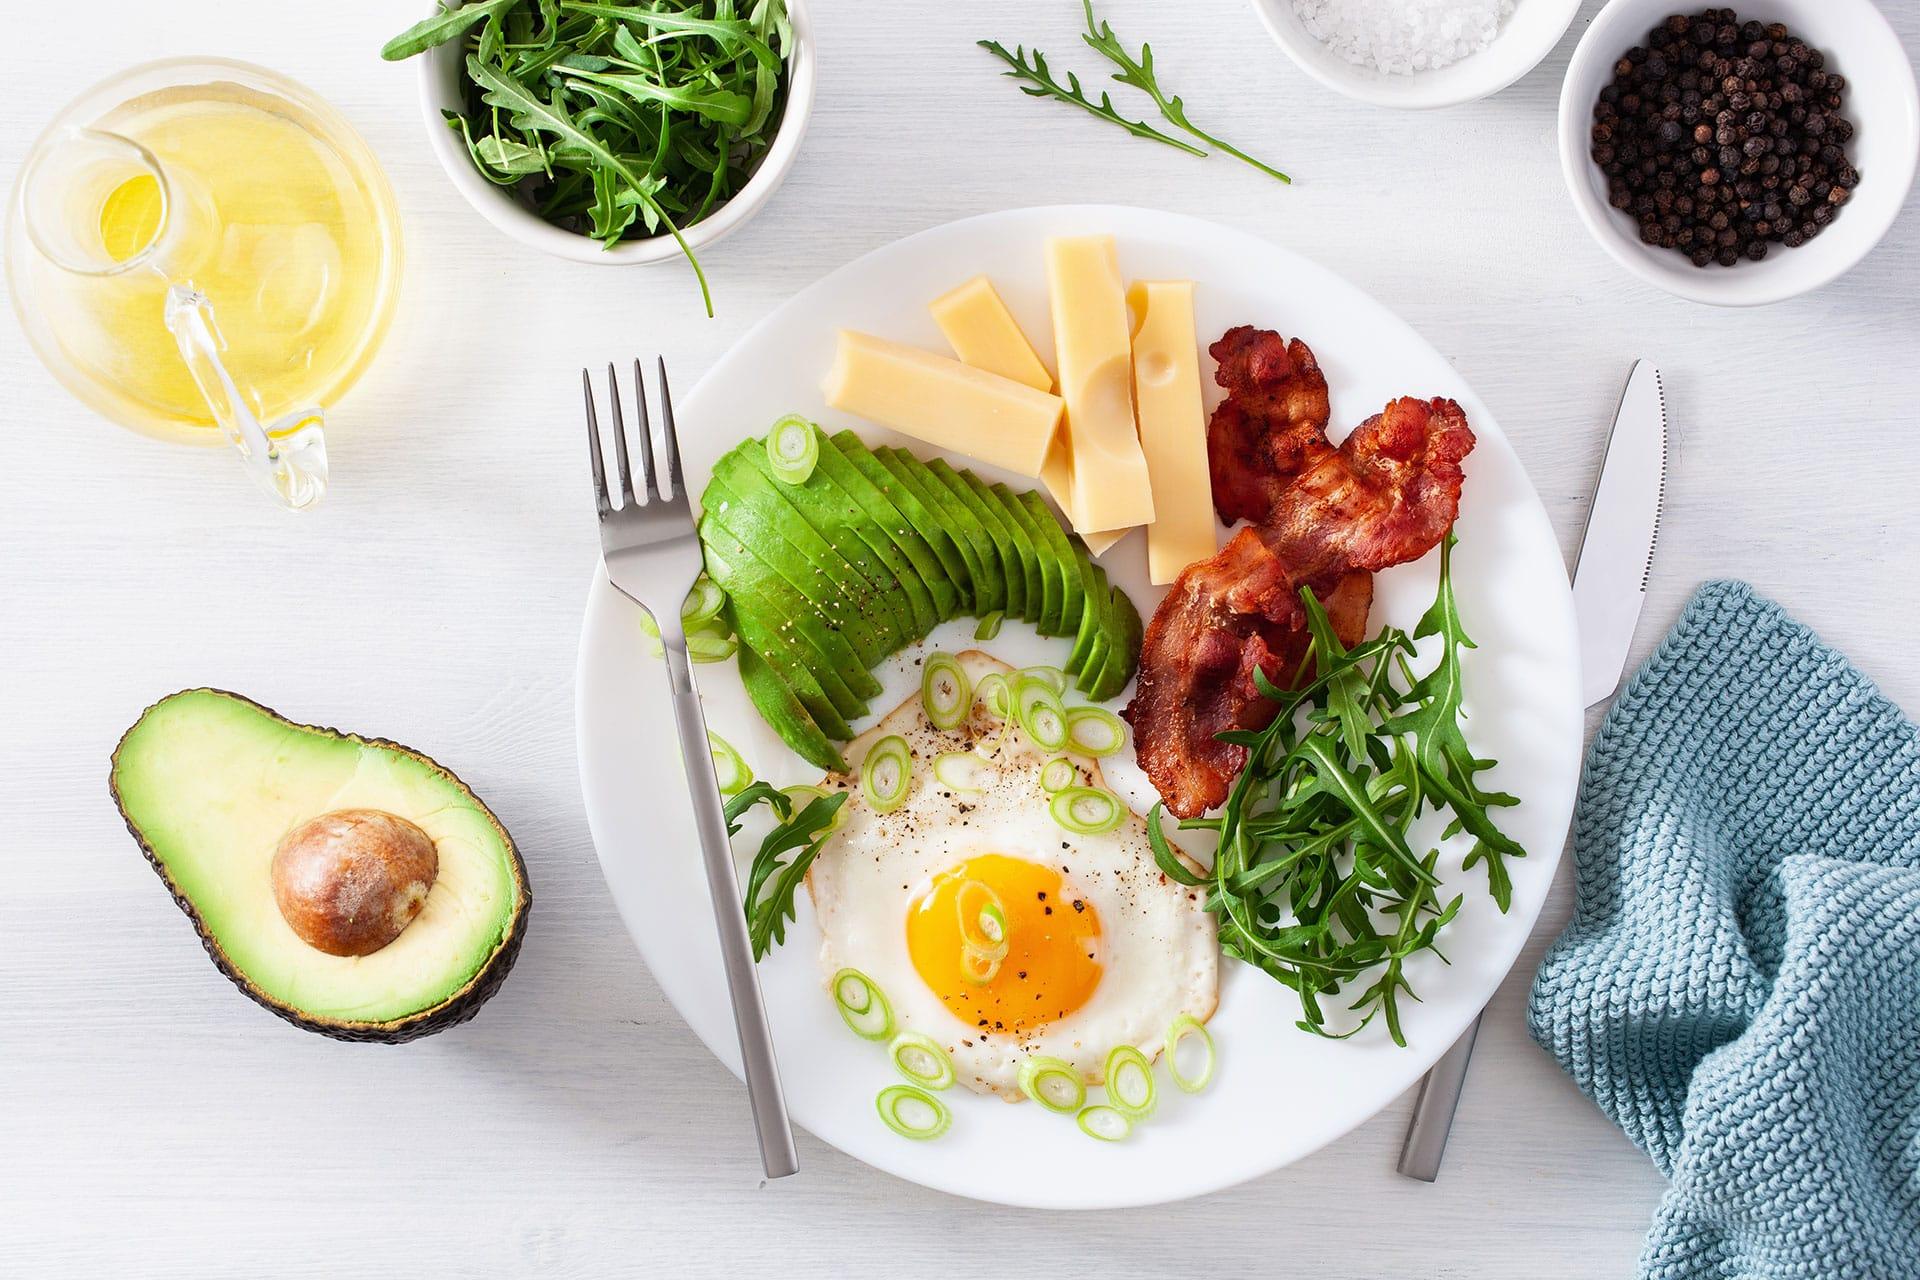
<point x="1720" y="138"/>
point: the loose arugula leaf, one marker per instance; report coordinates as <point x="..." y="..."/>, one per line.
<point x="441" y="27"/>
<point x="1037" y="82"/>
<point x="772" y="883"/>
<point x="1138" y="72"/>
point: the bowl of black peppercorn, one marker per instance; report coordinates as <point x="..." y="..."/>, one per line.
<point x="1739" y="156"/>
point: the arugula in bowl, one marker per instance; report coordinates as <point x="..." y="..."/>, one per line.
<point x="612" y="119"/>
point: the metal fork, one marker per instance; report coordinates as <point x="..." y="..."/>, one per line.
<point x="652" y="555"/>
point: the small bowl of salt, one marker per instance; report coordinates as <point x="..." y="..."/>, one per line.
<point x="1417" y="53"/>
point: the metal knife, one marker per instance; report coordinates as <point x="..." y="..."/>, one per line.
<point x="1609" y="588"/>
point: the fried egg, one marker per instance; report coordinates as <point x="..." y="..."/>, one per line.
<point x="1096" y="947"/>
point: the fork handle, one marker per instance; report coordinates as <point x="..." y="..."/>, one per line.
<point x="764" y="1095"/>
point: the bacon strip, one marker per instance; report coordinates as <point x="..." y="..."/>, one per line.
<point x="1325" y="518"/>
<point x="1271" y="426"/>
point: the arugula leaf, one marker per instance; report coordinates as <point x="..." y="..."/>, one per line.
<point x="1038" y="82"/>
<point x="772" y="883"/>
<point x="441" y="27"/>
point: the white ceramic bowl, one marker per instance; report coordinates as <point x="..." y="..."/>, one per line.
<point x="1881" y="100"/>
<point x="1527" y="36"/>
<point x="441" y="89"/>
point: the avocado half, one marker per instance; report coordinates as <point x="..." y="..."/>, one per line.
<point x="209" y="782"/>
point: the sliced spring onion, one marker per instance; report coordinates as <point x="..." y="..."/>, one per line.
<point x="983" y="921"/>
<point x="989" y="626"/>
<point x="862" y="1005"/>
<point x="1053" y="677"/>
<point x="886" y="775"/>
<point x="729" y="768"/>
<point x="804" y="795"/>
<point x="913" y="1113"/>
<point x="1086" y="811"/>
<point x="1043" y="717"/>
<point x="793" y="448"/>
<point x="1109" y="1124"/>
<point x="1095" y="731"/>
<point x="703" y="646"/>
<point x="960" y="771"/>
<point x="945" y="691"/>
<point x="1053" y="1083"/>
<point x="1058" y="774"/>
<point x="921" y="1059"/>
<point x="703" y="603"/>
<point x="1185" y="1028"/>
<point x="995" y="694"/>
<point x="1130" y="1088"/>
<point x="980" y="967"/>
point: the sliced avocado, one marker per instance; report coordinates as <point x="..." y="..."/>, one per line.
<point x="1012" y="577"/>
<point x="1123" y="647"/>
<point x="970" y="542"/>
<point x="845" y="560"/>
<point x="1065" y="557"/>
<point x="919" y="569"/>
<point x="932" y="531"/>
<point x="1024" y="559"/>
<point x="758" y="590"/>
<point x="253" y="822"/>
<point x="1043" y="571"/>
<point x="790" y="659"/>
<point x="776" y="703"/>
<point x="1091" y="642"/>
<point x="809" y="565"/>
<point x="837" y="520"/>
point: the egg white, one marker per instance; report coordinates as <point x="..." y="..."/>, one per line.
<point x="1160" y="953"/>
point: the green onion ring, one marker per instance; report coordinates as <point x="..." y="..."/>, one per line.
<point x="804" y="795"/>
<point x="886" y="775"/>
<point x="959" y="771"/>
<point x="995" y="694"/>
<point x="1053" y="1083"/>
<point x="1130" y="1088"/>
<point x="862" y="1005"/>
<point x="1109" y="732"/>
<point x="945" y="692"/>
<point x="983" y="921"/>
<point x="913" y="1113"/>
<point x="703" y="603"/>
<point x="1183" y="1027"/>
<point x="1037" y="706"/>
<point x="1109" y="1124"/>
<point x="1053" y="677"/>
<point x="980" y="965"/>
<point x="921" y="1059"/>
<point x="990" y="625"/>
<point x="703" y="647"/>
<point x="729" y="768"/>
<point x="1058" y="774"/>
<point x="793" y="448"/>
<point x="1086" y="811"/>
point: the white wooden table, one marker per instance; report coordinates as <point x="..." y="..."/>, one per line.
<point x="154" y="1123"/>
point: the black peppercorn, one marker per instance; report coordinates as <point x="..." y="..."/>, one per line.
<point x="1721" y="137"/>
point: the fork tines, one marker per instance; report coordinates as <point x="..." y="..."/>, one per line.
<point x="653" y="486"/>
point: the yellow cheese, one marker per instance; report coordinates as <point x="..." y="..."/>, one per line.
<point x="1093" y="347"/>
<point x="1099" y="543"/>
<point x="984" y="334"/>
<point x="943" y="402"/>
<point x="1173" y="431"/>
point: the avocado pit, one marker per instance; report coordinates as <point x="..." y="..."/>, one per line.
<point x="350" y="881"/>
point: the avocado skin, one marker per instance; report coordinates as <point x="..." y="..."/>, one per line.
<point x="460" y="1007"/>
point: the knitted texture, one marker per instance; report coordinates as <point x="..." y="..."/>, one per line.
<point x="1739" y="988"/>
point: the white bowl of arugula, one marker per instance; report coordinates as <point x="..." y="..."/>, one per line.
<point x="608" y="131"/>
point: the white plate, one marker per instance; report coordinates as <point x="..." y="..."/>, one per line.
<point x="1279" y="1093"/>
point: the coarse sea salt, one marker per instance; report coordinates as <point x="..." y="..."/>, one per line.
<point x="1401" y="37"/>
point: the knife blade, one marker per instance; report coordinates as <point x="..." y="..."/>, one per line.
<point x="1623" y="527"/>
<point x="1609" y="588"/>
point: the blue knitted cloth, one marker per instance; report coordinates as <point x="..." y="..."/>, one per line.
<point x="1739" y="988"/>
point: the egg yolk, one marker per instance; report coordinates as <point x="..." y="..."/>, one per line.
<point x="1052" y="962"/>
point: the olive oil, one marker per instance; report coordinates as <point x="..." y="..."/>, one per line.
<point x="241" y="189"/>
